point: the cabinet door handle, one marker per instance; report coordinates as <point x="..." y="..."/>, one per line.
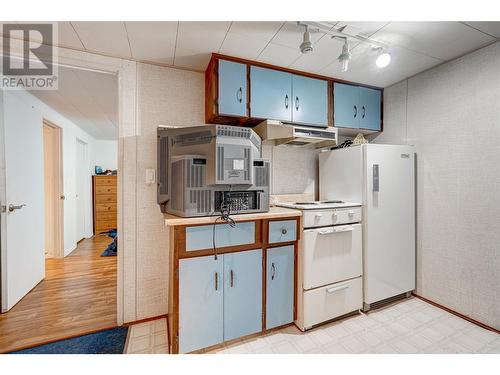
<point x="355" y="111"/>
<point x="273" y="271"/>
<point x="239" y="95"/>
<point x="216" y="281"/>
<point x="297" y="103"/>
<point x="286" y="101"/>
<point x="231" y="276"/>
<point x="364" y="112"/>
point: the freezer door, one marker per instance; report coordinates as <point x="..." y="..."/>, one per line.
<point x="341" y="174"/>
<point x="389" y="221"/>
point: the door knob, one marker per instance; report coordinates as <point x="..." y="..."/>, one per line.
<point x="13" y="207"/>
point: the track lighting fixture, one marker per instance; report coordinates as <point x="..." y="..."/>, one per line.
<point x="345" y="57"/>
<point x="383" y="56"/>
<point x="306" y="45"/>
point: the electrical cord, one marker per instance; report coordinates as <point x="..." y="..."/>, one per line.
<point x="225" y="217"/>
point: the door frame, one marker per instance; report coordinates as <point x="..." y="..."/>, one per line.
<point x="86" y="191"/>
<point x="59" y="250"/>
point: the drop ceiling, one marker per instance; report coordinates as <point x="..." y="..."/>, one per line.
<point x="414" y="46"/>
<point x="88" y="99"/>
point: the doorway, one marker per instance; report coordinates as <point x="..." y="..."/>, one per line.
<point x="53" y="181"/>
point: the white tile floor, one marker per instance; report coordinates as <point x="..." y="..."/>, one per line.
<point x="409" y="326"/>
<point x="147" y="338"/>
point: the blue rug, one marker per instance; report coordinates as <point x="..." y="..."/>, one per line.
<point x="111" y="341"/>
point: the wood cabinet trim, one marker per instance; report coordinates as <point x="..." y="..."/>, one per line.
<point x="177" y="251"/>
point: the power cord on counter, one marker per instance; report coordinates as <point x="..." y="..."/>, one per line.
<point x="225" y="217"/>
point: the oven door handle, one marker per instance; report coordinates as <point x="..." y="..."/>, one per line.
<point x="333" y="231"/>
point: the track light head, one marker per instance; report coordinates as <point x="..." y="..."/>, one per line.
<point x="383" y="59"/>
<point x="345" y="57"/>
<point x="306" y="45"/>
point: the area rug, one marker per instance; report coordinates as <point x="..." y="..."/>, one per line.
<point x="111" y="341"/>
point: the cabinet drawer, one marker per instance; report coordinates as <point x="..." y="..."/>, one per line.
<point x="201" y="237"/>
<point x="109" y="189"/>
<point x="105" y="216"/>
<point x="105" y="198"/>
<point x="105" y="207"/>
<point x="331" y="254"/>
<point x="282" y="231"/>
<point x="105" y="181"/>
<point x="101" y="225"/>
<point x="332" y="301"/>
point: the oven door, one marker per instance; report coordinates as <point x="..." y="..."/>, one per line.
<point x="331" y="254"/>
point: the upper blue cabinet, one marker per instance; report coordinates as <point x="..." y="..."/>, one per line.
<point x="310" y="101"/>
<point x="232" y="88"/>
<point x="270" y="94"/>
<point x="370" y="101"/>
<point x="357" y="107"/>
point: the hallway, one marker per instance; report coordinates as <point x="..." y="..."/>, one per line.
<point x="77" y="296"/>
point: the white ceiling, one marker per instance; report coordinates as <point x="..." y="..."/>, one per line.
<point x="89" y="99"/>
<point x="415" y="46"/>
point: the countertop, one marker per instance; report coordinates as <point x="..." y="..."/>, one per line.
<point x="273" y="213"/>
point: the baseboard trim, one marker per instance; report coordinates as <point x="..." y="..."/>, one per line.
<point x="145" y="320"/>
<point x="465" y="317"/>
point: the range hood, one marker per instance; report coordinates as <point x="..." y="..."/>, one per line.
<point x="296" y="135"/>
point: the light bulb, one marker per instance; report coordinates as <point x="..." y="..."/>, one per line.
<point x="345" y="57"/>
<point x="383" y="60"/>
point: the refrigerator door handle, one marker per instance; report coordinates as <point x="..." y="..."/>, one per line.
<point x="376" y="178"/>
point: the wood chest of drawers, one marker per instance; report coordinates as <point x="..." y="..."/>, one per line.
<point x="104" y="202"/>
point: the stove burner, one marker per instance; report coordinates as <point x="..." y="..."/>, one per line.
<point x="332" y="201"/>
<point x="305" y="203"/>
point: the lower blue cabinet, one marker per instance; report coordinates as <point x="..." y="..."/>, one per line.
<point x="279" y="286"/>
<point x="242" y="293"/>
<point x="200" y="303"/>
<point x="219" y="300"/>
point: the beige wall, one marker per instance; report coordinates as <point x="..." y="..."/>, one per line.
<point x="452" y="115"/>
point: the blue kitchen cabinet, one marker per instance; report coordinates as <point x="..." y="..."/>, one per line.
<point x="242" y="293"/>
<point x="346" y="106"/>
<point x="370" y="102"/>
<point x="279" y="286"/>
<point x="270" y="94"/>
<point x="232" y="88"/>
<point x="201" y="315"/>
<point x="310" y="101"/>
<point x="357" y="107"/>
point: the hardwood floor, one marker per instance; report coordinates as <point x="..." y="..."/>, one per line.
<point x="77" y="296"/>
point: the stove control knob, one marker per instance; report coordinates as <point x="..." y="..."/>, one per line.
<point x="351" y="213"/>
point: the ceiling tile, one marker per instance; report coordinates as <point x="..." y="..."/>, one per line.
<point x="291" y="35"/>
<point x="362" y="68"/>
<point x="67" y="36"/>
<point x="361" y="28"/>
<point x="196" y="41"/>
<point x="240" y="45"/>
<point x="442" y="40"/>
<point x="257" y="30"/>
<point x="277" y="54"/>
<point x="491" y="28"/>
<point x="109" y="38"/>
<point x="152" y="41"/>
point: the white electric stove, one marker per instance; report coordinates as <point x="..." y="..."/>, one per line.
<point x="330" y="261"/>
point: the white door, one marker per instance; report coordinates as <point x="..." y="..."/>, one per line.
<point x="389" y="231"/>
<point x="23" y="265"/>
<point x="81" y="188"/>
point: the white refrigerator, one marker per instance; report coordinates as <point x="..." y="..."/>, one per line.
<point x="382" y="177"/>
